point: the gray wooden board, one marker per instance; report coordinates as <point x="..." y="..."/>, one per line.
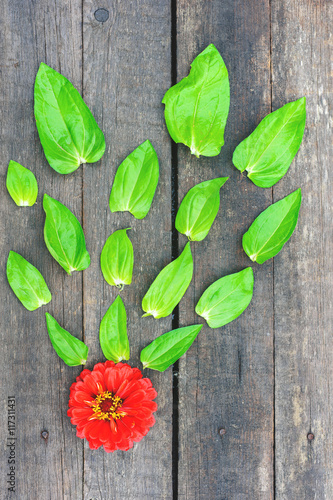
<point x="32" y="32"/>
<point x="226" y="378"/>
<point x="302" y="65"/>
<point x="126" y="70"/>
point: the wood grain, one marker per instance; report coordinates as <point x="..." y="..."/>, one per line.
<point x="126" y="72"/>
<point x="226" y="378"/>
<point x="32" y="32"/>
<point x="301" y="65"/>
<point x="272" y="365"/>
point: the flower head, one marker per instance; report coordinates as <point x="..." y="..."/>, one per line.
<point x="112" y="406"/>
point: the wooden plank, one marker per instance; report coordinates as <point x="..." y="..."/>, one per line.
<point x="126" y="72"/>
<point x="32" y="32"/>
<point x="301" y="34"/>
<point x="226" y="378"/>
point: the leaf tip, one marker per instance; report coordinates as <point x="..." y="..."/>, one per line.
<point x="249" y="270"/>
<point x="302" y="100"/>
<point x="42" y="67"/>
<point x="46" y="199"/>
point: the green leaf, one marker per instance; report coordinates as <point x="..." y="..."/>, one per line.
<point x="64" y="236"/>
<point x="226" y="298"/>
<point x="169" y="286"/>
<point x="70" y="349"/>
<point x="27" y="282"/>
<point x="135" y="182"/>
<point x="117" y="259"/>
<point x="113" y="332"/>
<point x="67" y="130"/>
<point x="196" y="109"/>
<point x="268" y="152"/>
<point x="21" y="184"/>
<point x="199" y="208"/>
<point x="272" y="228"/>
<point x="167" y="348"/>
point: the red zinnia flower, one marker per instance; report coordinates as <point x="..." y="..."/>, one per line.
<point x="112" y="406"/>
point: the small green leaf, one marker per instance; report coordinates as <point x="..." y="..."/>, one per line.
<point x="167" y="348"/>
<point x="169" y="287"/>
<point x="21" y="184"/>
<point x="199" y="208"/>
<point x="196" y="109"/>
<point x="67" y="130"/>
<point x="268" y="152"/>
<point x="135" y="182"/>
<point x="27" y="282"/>
<point x="70" y="349"/>
<point x="113" y="332"/>
<point x="272" y="228"/>
<point x="226" y="298"/>
<point x="117" y="259"/>
<point x="64" y="236"/>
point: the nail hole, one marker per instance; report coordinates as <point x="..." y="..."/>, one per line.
<point x="101" y="15"/>
<point x="44" y="435"/>
<point x="222" y="431"/>
<point x="310" y="436"/>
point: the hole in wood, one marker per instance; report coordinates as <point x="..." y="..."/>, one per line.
<point x="101" y="15"/>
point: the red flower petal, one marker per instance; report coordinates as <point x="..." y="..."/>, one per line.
<point x="82" y="398"/>
<point x="94" y="383"/>
<point x="112" y="379"/>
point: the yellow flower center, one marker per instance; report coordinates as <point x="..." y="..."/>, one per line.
<point x="106" y="405"/>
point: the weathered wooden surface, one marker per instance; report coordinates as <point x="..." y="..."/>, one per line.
<point x="301" y="65"/>
<point x="226" y="379"/>
<point x="267" y="377"/>
<point x="126" y="70"/>
<point x="32" y="32"/>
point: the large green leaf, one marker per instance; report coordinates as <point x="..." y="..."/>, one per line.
<point x="21" y="184"/>
<point x="64" y="236"/>
<point x="135" y="182"/>
<point x="27" y="282"/>
<point x="268" y="152"/>
<point x="272" y="228"/>
<point x="196" y="109"/>
<point x="226" y="298"/>
<point x="117" y="259"/>
<point x="67" y="130"/>
<point x="113" y="332"/>
<point x="167" y="348"/>
<point x="169" y="286"/>
<point x="70" y="349"/>
<point x="199" y="208"/>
